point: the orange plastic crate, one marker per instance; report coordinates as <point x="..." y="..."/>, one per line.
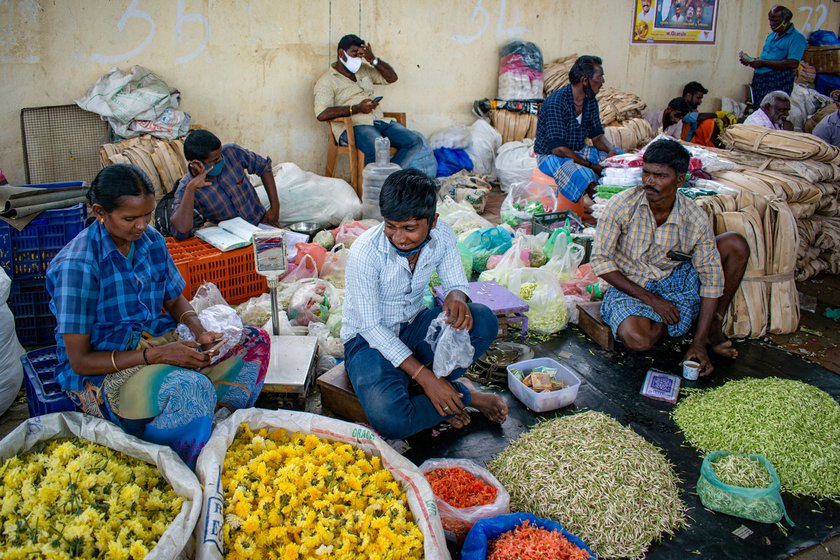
<point x="232" y="271"/>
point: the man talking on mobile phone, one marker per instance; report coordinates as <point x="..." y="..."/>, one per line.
<point x="666" y="268"/>
<point x="347" y="90"/>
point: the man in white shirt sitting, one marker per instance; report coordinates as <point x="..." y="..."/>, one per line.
<point x="669" y="120"/>
<point x="385" y="323"/>
<point x="773" y="113"/>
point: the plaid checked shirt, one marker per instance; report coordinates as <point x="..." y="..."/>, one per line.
<point x="230" y="194"/>
<point x="96" y="291"/>
<point x="557" y="124"/>
<point x="628" y="241"/>
<point x="382" y="293"/>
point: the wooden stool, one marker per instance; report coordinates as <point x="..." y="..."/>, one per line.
<point x="591" y="323"/>
<point x="338" y="396"/>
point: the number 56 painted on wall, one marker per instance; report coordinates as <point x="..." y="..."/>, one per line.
<point x="134" y="12"/>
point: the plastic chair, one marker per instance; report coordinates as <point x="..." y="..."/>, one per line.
<point x="355" y="155"/>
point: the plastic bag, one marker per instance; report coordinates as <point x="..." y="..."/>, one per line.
<point x="347" y="233"/>
<point x="284" y="327"/>
<point x="334" y="266"/>
<point x="208" y="530"/>
<point x="458" y="521"/>
<point x="520" y="71"/>
<point x="452" y="348"/>
<point x="256" y="311"/>
<point x="515" y="162"/>
<point x="454" y="137"/>
<point x="515" y="257"/>
<point x="327" y="344"/>
<point x="565" y="256"/>
<point x="297" y="272"/>
<point x="325" y="239"/>
<point x="315" y="250"/>
<point x="484" y="142"/>
<point x="764" y="505"/>
<point x="485" y="530"/>
<point x="525" y="199"/>
<point x="217" y="318"/>
<point x="11" y="370"/>
<point x="483" y="243"/>
<point x="307" y="197"/>
<point x="547" y="313"/>
<point x="207" y="295"/>
<point x="311" y="301"/>
<point x="451" y="161"/>
<point x="176" y="541"/>
<point x="464" y="186"/>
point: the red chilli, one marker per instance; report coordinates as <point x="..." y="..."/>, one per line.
<point x="460" y="488"/>
<point x="533" y="543"/>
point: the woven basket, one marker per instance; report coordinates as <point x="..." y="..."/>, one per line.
<point x="825" y="59"/>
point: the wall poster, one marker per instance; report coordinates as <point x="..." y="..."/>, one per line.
<point x="674" y="21"/>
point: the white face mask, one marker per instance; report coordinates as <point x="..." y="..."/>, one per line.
<point x="352" y="63"/>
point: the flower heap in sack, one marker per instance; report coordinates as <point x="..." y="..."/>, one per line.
<point x="77" y="499"/>
<point x="298" y="496"/>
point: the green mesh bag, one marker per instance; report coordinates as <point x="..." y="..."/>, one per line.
<point x="764" y="505"/>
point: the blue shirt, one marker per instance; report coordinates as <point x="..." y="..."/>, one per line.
<point x="557" y="123"/>
<point x="790" y="46"/>
<point x="230" y="193"/>
<point x="691" y="119"/>
<point x="97" y="291"/>
<point x="382" y="293"/>
<point x="829" y="129"/>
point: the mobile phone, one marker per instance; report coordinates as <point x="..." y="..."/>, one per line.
<point x="678" y="256"/>
<point x="377" y="99"/>
<point x="215" y="346"/>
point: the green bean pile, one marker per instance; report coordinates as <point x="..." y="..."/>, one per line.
<point x="740" y="470"/>
<point x="795" y="425"/>
<point x="601" y="480"/>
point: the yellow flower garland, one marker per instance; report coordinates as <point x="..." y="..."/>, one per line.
<point x="298" y="496"/>
<point x="78" y="499"/>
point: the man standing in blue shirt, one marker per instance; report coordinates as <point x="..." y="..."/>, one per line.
<point x="775" y="69"/>
<point x="566" y="119"/>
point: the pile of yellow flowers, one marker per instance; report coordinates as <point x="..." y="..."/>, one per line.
<point x="299" y="496"/>
<point x="78" y="499"/>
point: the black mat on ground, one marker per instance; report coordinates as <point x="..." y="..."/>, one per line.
<point x="611" y="383"/>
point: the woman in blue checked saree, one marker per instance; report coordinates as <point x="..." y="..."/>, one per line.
<point x="118" y="358"/>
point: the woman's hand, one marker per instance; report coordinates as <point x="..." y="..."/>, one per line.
<point x="184" y="353"/>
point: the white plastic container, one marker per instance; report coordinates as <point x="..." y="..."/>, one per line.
<point x="543" y="402"/>
<point x="373" y="177"/>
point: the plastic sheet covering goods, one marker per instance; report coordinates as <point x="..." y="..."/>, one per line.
<point x="601" y="480"/>
<point x="795" y="425"/>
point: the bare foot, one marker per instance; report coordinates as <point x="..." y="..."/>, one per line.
<point x="725" y="348"/>
<point x="489" y="404"/>
<point x="721" y="345"/>
<point x="458" y="421"/>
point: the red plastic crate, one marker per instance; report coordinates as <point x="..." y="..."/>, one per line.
<point x="231" y="271"/>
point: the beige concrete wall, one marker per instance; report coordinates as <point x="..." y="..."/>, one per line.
<point x="246" y="68"/>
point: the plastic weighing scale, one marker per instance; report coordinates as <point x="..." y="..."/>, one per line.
<point x="291" y="363"/>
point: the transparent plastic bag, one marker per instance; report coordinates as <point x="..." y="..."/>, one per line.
<point x="452" y="348"/>
<point x="307" y="268"/>
<point x="327" y="344"/>
<point x="256" y="311"/>
<point x="565" y="256"/>
<point x="484" y="243"/>
<point x="348" y="232"/>
<point x="220" y="318"/>
<point x="315" y="250"/>
<point x="311" y="301"/>
<point x="764" y="505"/>
<point x="547" y="313"/>
<point x="525" y="199"/>
<point x="458" y="521"/>
<point x="335" y="264"/>
<point x="207" y="295"/>
<point x="518" y="256"/>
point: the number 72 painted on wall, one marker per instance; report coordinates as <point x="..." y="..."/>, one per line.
<point x="134" y="12"/>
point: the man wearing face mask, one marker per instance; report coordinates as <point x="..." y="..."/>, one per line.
<point x="216" y="184"/>
<point x="566" y="119"/>
<point x="346" y="90"/>
<point x="775" y="69"/>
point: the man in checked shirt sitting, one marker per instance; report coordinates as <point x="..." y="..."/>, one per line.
<point x="385" y="323"/>
<point x="216" y="184"/>
<point x="656" y="248"/>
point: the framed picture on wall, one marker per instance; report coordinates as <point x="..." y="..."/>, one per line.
<point x="674" y="22"/>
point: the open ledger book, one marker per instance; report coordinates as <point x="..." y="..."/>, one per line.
<point x="236" y="233"/>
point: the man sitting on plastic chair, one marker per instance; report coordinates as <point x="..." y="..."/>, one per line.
<point x="385" y="325"/>
<point x="346" y="90"/>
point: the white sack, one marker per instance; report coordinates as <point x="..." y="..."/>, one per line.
<point x="308" y="197"/>
<point x="484" y="142"/>
<point x="208" y="532"/>
<point x="454" y="137"/>
<point x="176" y="540"/>
<point x="11" y="370"/>
<point x="515" y="162"/>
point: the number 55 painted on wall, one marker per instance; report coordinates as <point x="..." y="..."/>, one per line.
<point x="134" y="12"/>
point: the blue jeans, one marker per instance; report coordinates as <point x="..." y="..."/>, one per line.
<point x="408" y="143"/>
<point x="382" y="387"/>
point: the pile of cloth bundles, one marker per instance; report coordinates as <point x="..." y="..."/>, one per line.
<point x="629" y="135"/>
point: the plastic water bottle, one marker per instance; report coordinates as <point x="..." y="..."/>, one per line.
<point x="373" y="177"/>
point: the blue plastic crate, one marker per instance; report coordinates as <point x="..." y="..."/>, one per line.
<point x="43" y="393"/>
<point x="27" y="253"/>
<point x="29" y="302"/>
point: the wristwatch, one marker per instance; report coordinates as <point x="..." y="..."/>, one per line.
<point x="375" y="61"/>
